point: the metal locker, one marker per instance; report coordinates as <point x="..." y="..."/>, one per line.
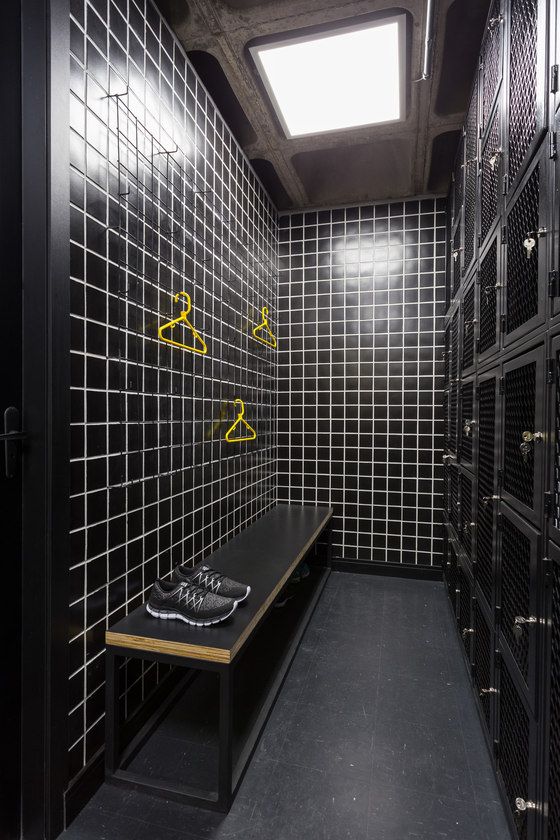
<point x="464" y="608"/>
<point x="450" y="571"/>
<point x="489" y="306"/>
<point x="447" y="355"/>
<point x="470" y="182"/>
<point x="522" y="387"/>
<point x="468" y="328"/>
<point x="527" y="82"/>
<point x="491" y="61"/>
<point x="467" y="422"/>
<point x="483" y="664"/>
<point x="551" y="741"/>
<point x="466" y="524"/>
<point x="515" y="753"/>
<point x="454" y="511"/>
<point x="491" y="174"/>
<point x="553" y="442"/>
<point x="458" y="181"/>
<point x="518" y="601"/>
<point x="525" y="253"/>
<point x="487" y="496"/>
<point x="456" y="256"/>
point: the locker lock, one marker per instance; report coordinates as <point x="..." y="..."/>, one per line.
<point x="528" y="437"/>
<point x="469" y="526"/>
<point x="485" y="691"/>
<point x="468" y="427"/>
<point x="447" y="459"/>
<point x="492" y="288"/>
<point x="519" y="622"/>
<point x="494" y="22"/>
<point x="487" y="499"/>
<point x="467" y="631"/>
<point x="494" y="158"/>
<point x="525" y="446"/>
<point x="469" y="324"/>
<point x="455" y="253"/>
<point x="531" y="240"/>
<point x="522" y="805"/>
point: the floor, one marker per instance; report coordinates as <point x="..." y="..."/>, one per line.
<point x="374" y="736"/>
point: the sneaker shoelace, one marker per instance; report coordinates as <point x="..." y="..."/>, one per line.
<point x="210" y="578"/>
<point x="192" y="595"/>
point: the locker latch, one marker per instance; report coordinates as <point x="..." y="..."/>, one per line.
<point x="522" y="805"/>
<point x="519" y="622"/>
<point x="468" y="427"/>
<point x="484" y="691"/>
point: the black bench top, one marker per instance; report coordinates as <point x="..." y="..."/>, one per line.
<point x="264" y="556"/>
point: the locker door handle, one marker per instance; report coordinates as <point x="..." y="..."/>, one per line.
<point x="11" y="435"/>
<point x="519" y="622"/>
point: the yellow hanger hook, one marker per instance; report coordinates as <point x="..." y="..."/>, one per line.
<point x="240" y="419"/>
<point x="264" y="325"/>
<point x="183" y="319"/>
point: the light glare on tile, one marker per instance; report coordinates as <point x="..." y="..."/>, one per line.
<point x="332" y="81"/>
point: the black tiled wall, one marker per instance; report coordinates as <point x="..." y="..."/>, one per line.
<point x="361" y="304"/>
<point x="162" y="201"/>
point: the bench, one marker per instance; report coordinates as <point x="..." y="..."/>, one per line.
<point x="264" y="556"/>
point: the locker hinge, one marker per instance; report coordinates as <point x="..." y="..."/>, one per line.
<point x="554" y="78"/>
<point x="500" y="478"/>
<point x="477" y="392"/>
<point x="547" y="563"/>
<point x="496" y="749"/>
<point x="499" y="522"/>
<point x="501" y="380"/>
<point x="553" y="284"/>
<point x="552" y="146"/>
<point x="548" y="503"/>
<point x="502" y="327"/>
<point x="550" y="370"/>
<point x="477" y="346"/>
<point x="504" y="234"/>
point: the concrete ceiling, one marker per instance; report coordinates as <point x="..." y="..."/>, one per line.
<point x="413" y="157"/>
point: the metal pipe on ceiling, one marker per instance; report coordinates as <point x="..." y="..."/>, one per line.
<point x="427" y="61"/>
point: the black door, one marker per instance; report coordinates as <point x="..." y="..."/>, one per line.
<point x="10" y="411"/>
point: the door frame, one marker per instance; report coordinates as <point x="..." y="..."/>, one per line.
<point x="45" y="36"/>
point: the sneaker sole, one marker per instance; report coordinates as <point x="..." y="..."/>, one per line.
<point x="171" y="614"/>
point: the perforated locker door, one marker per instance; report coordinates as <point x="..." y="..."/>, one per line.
<point x="554" y="284"/>
<point x="467" y="422"/>
<point x="491" y="175"/>
<point x="552" y="716"/>
<point x="471" y="182"/>
<point x="457" y="181"/>
<point x="456" y="256"/>
<point x="454" y="510"/>
<point x="487" y="484"/>
<point x="447" y="355"/>
<point x="522" y="387"/>
<point x="516" y="750"/>
<point x="518" y="597"/>
<point x="526" y="58"/>
<point x="491" y="62"/>
<point x="525" y="252"/>
<point x="553" y="443"/>
<point x="464" y="608"/>
<point x="466" y="525"/>
<point x="450" y="571"/>
<point x="483" y="664"/>
<point x="469" y="324"/>
<point x="489" y="299"/>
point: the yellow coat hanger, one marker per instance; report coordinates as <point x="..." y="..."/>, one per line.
<point x="183" y="319"/>
<point x="271" y="342"/>
<point x="240" y="419"/>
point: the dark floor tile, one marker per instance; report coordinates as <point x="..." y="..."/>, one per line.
<point x="424" y="758"/>
<point x="96" y="824"/>
<point x="324" y="740"/>
<point x="403" y="697"/>
<point x="202" y="823"/>
<point x="396" y="813"/>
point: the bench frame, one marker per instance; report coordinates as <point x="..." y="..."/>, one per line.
<point x="229" y="776"/>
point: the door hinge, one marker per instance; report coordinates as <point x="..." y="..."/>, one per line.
<point x="504" y="185"/>
<point x="550" y="371"/>
<point x="554" y="78"/>
<point x="477" y="392"/>
<point x="502" y="323"/>
<point x="501" y="384"/>
<point x="553" y="284"/>
<point x="500" y="478"/>
<point x="499" y="522"/>
<point x="548" y="503"/>
<point x="552" y="147"/>
<point x="496" y="749"/>
<point x="477" y="346"/>
<point x="547" y="565"/>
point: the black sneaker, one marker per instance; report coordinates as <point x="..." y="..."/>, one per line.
<point x="188" y="603"/>
<point x="212" y="581"/>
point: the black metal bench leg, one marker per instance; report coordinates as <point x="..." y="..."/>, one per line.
<point x="112" y="741"/>
<point x="226" y="739"/>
